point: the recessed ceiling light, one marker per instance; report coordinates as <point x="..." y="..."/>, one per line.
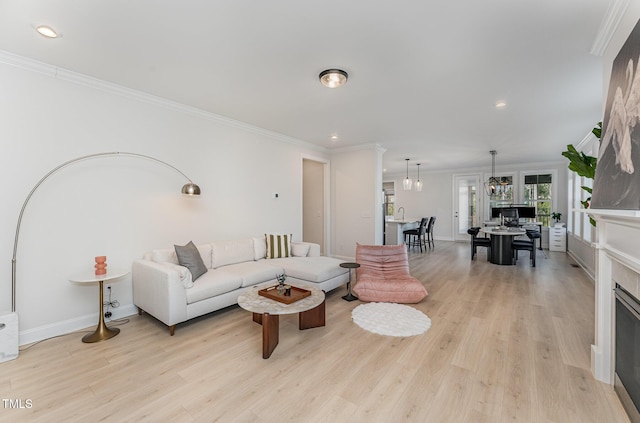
<point x="334" y="137"/>
<point x="47" y="31"/>
<point x="333" y="78"/>
<point x="501" y="105"/>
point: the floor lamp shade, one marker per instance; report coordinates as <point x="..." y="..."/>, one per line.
<point x="12" y="319"/>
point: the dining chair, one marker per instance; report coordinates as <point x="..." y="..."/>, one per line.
<point x="417" y="236"/>
<point x="526" y="245"/>
<point x="477" y="241"/>
<point x="429" y="233"/>
<point x="510" y="217"/>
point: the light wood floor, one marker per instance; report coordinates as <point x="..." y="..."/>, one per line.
<point x="507" y="344"/>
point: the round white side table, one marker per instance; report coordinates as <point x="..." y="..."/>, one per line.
<point x="102" y="332"/>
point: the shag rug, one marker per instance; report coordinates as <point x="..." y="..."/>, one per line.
<point x="391" y="319"/>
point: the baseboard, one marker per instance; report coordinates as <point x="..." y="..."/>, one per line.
<point x="88" y="322"/>
<point x="582" y="265"/>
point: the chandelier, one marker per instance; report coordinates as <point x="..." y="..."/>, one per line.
<point x="492" y="184"/>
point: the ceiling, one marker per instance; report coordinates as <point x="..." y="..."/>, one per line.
<point x="424" y="76"/>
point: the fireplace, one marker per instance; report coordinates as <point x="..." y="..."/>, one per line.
<point x="627" y="352"/>
<point x="617" y="284"/>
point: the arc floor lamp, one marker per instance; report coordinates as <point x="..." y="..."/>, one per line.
<point x="9" y="341"/>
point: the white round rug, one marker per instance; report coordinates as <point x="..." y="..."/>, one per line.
<point x="391" y="319"/>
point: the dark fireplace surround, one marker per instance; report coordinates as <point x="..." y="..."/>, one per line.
<point x="627" y="352"/>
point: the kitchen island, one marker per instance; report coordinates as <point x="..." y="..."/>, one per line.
<point x="394" y="229"/>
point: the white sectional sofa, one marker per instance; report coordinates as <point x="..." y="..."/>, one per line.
<point x="165" y="290"/>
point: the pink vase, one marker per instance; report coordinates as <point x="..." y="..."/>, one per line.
<point x="101" y="265"/>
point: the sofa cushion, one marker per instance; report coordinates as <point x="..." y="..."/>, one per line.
<point x="254" y="272"/>
<point x="224" y="253"/>
<point x="168" y="255"/>
<point x="259" y="248"/>
<point x="312" y="269"/>
<point x="189" y="257"/>
<point x="278" y="246"/>
<point x="214" y="282"/>
<point x="299" y="250"/>
<point x="382" y="261"/>
<point x="399" y="289"/>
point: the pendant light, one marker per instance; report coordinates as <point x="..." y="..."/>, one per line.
<point x="418" y="181"/>
<point x="406" y="184"/>
<point x="491" y="186"/>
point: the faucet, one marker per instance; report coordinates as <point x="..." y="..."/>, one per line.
<point x="401" y="208"/>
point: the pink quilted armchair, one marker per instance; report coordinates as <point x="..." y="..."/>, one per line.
<point x="383" y="275"/>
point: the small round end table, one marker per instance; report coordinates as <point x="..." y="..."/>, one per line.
<point x="102" y="332"/>
<point x="349" y="296"/>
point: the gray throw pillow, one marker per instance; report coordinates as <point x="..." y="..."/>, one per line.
<point x="189" y="257"/>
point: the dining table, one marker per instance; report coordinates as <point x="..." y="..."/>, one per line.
<point x="501" y="243"/>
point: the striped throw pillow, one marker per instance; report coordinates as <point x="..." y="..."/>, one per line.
<point x="278" y="246"/>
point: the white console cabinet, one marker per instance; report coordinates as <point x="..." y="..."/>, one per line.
<point x="557" y="238"/>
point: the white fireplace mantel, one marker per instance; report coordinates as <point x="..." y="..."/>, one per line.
<point x="618" y="242"/>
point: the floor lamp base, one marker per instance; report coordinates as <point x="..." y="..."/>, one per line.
<point x="8" y="336"/>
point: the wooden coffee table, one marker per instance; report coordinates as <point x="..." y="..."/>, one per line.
<point x="311" y="312"/>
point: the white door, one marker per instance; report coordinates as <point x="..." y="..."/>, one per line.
<point x="314" y="204"/>
<point x="466" y="192"/>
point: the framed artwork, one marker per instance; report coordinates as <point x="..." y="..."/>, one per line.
<point x="617" y="180"/>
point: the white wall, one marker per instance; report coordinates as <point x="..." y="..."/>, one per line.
<point x="122" y="206"/>
<point x="435" y="199"/>
<point x="356" y="202"/>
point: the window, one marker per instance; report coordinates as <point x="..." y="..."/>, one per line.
<point x="503" y="194"/>
<point x="538" y="190"/>
<point x="388" y="192"/>
<point x="586" y="223"/>
<point x="581" y="227"/>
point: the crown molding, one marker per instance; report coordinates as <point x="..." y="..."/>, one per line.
<point x="109" y="87"/>
<point x="375" y="147"/>
<point x="589" y="138"/>
<point x="608" y="26"/>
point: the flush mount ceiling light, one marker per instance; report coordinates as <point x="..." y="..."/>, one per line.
<point x="333" y="78"/>
<point x="46" y="31"/>
<point x="501" y="105"/>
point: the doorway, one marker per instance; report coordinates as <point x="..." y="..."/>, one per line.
<point x="466" y="199"/>
<point x="315" y="202"/>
